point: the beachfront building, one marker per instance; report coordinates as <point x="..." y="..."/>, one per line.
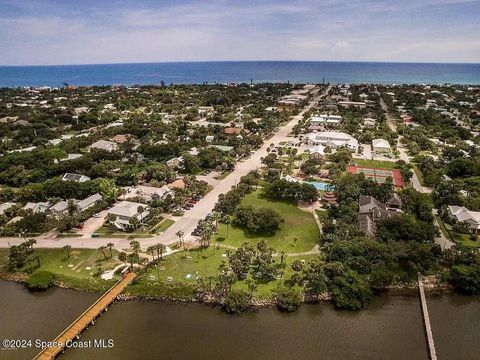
<point x="124" y="212"/>
<point x="381" y="146"/>
<point x="462" y="214"/>
<point x="332" y="139"/>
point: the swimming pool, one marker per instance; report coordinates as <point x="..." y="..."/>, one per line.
<point x="320" y="185"/>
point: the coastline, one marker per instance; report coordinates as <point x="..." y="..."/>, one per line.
<point x="435" y="288"/>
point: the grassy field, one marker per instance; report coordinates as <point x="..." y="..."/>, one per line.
<point x="105" y="231"/>
<point x="78" y="271"/>
<point x="164" y="225"/>
<point x="462" y="239"/>
<point x="196" y="263"/>
<point x="298" y="232"/>
<point x="379" y="164"/>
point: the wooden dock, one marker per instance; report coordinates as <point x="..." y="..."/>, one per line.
<point x="426" y="319"/>
<point x="88" y="317"/>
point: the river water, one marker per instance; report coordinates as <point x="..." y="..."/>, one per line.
<point x="390" y="328"/>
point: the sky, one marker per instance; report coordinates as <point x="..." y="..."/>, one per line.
<point x="46" y="32"/>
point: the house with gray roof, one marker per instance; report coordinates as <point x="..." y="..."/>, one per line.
<point x="124" y="211"/>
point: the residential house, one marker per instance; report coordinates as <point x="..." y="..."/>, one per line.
<point x="104" y="145"/>
<point x="75" y="177"/>
<point x="124" y="211"/>
<point x="37" y="208"/>
<point x="148" y="193"/>
<point x="381" y="146"/>
<point x="88" y="202"/>
<point x="318" y="152"/>
<point x="461" y="213"/>
<point x="224" y="148"/>
<point x="371" y="211"/>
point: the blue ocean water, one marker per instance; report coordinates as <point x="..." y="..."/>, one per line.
<point x="241" y="71"/>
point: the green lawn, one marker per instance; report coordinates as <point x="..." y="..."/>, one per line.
<point x="379" y="164"/>
<point x="197" y="263"/>
<point x="297" y="224"/>
<point x="459" y="238"/>
<point x="164" y="225"/>
<point x="79" y="270"/>
<point x="106" y="231"/>
<point x="419" y="174"/>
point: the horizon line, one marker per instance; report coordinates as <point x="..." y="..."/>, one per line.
<point x="249" y="61"/>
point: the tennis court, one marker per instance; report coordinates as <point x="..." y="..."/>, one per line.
<point x="378" y="175"/>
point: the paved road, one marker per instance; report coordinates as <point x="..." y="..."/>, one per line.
<point x="189" y="220"/>
<point x="441" y="240"/>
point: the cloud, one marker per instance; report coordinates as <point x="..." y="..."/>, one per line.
<point x="56" y="32"/>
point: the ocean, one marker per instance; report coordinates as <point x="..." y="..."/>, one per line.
<point x="240" y="71"/>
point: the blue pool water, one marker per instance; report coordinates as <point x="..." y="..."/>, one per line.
<point x="320" y="185"/>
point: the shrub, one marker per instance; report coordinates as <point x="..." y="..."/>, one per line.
<point x="257" y="220"/>
<point x="237" y="301"/>
<point x="40" y="280"/>
<point x="288" y="298"/>
<point x="466" y="279"/>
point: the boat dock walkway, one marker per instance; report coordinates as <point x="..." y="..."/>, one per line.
<point x="426" y="319"/>
<point x="73" y="331"/>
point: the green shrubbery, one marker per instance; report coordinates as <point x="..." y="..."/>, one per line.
<point x="40" y="280"/>
<point x="288" y="298"/>
<point x="236" y="301"/>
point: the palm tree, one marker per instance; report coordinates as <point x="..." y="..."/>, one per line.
<point x="151" y="250"/>
<point x="109" y="190"/>
<point x="283" y="255"/>
<point x="216" y="217"/>
<point x="67" y="249"/>
<point x="160" y="248"/>
<point x="227" y="220"/>
<point x="180" y="235"/>
<point x="102" y="249"/>
<point x="123" y="257"/>
<point x="110" y="246"/>
<point x="135" y="246"/>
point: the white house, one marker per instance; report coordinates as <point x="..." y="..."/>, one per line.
<point x="104" y="145"/>
<point x="333" y="139"/>
<point x="318" y="152"/>
<point x="88" y="202"/>
<point x="148" y="193"/>
<point x="124" y="211"/>
<point x="39" y="207"/>
<point x="381" y="146"/>
<point x="461" y="213"/>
